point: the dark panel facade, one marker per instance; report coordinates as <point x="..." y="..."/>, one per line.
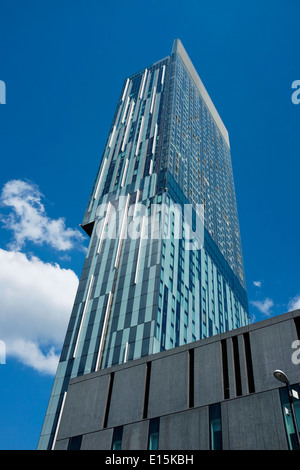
<point x="216" y="393"/>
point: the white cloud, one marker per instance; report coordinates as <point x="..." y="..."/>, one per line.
<point x="294" y="304"/>
<point x="264" y="306"/>
<point x="36" y="304"/>
<point x="29" y="222"/>
<point x="257" y="283"/>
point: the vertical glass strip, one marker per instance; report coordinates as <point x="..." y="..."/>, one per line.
<point x="225" y="369"/>
<point x="147" y="387"/>
<point x="191" y="378"/>
<point x="215" y="427"/>
<point x="287" y="415"/>
<point x="140" y="135"/>
<point x="128" y="126"/>
<point x="250" y="375"/>
<point x="75" y="443"/>
<point x="117" y="438"/>
<point x="237" y="370"/>
<point x="110" y="387"/>
<point x="153" y="434"/>
<point x="83" y="314"/>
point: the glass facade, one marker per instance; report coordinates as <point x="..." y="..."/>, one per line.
<point x="75" y="443"/>
<point x="287" y="415"/>
<point x="117" y="438"/>
<point x="143" y="289"/>
<point x="153" y="434"/>
<point x="215" y="427"/>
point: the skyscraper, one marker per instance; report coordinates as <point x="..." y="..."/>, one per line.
<point x="165" y="178"/>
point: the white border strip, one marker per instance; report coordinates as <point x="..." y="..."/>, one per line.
<point x="122" y="232"/>
<point x="126" y="352"/>
<point x="125" y="110"/>
<point x="59" y="420"/>
<point x="163" y="74"/>
<point x="128" y="126"/>
<point x="151" y="167"/>
<point x="139" y="252"/>
<point x="154" y="139"/>
<point x="143" y="83"/>
<point x="153" y="99"/>
<point x="140" y="136"/>
<point x="100" y="178"/>
<point x="124" y="173"/>
<point x="103" y="228"/>
<point x="125" y="89"/>
<point x="104" y="329"/>
<point x="112" y="136"/>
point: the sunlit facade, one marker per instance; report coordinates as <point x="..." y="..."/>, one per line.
<point x="144" y="288"/>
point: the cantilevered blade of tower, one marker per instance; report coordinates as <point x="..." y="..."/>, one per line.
<point x="164" y="263"/>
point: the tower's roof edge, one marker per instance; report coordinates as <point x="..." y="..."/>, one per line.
<point x="179" y="49"/>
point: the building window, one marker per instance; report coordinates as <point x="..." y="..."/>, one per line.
<point x="75" y="443"/>
<point x="225" y="372"/>
<point x="117" y="438"/>
<point x="215" y="429"/>
<point x="287" y="415"/>
<point x="153" y="434"/>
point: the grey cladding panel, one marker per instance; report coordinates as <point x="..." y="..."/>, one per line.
<point x="185" y="430"/>
<point x="208" y="374"/>
<point x="62" y="444"/>
<point x="168" y="385"/>
<point x="253" y="422"/>
<point x="84" y="407"/>
<point x="271" y="350"/>
<point x="135" y="436"/>
<point x="127" y="397"/>
<point x="97" y="440"/>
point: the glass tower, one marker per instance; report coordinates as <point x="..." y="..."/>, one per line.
<point x="165" y="178"/>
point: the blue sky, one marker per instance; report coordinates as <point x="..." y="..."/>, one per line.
<point x="63" y="63"/>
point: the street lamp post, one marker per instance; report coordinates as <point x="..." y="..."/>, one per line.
<point x="282" y="377"/>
